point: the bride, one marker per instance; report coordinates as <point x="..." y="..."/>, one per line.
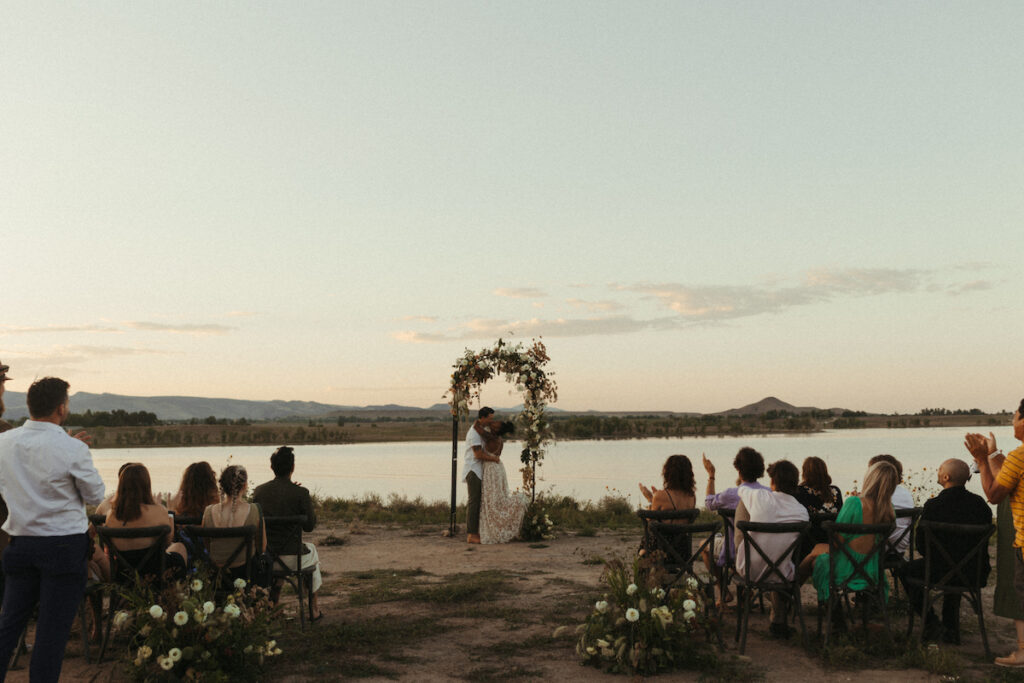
<point x="501" y="512"/>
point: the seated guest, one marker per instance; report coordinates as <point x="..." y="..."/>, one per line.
<point x="901" y="500"/>
<point x="108" y="503"/>
<point x="819" y="496"/>
<point x="954" y="505"/>
<point x="749" y="466"/>
<point x="197" y="491"/>
<point x="777" y="505"/>
<point x="872" y="506"/>
<point x="134" y="507"/>
<point x="232" y="511"/>
<point x="281" y="497"/>
<point x="679" y="492"/>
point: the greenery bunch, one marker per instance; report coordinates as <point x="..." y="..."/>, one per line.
<point x="640" y="628"/>
<point x="525" y="367"/>
<point x="537" y="525"/>
<point x="188" y="632"/>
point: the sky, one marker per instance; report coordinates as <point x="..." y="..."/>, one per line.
<point x="694" y="205"/>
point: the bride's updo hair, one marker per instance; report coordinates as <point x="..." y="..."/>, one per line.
<point x="233" y="479"/>
<point x="506" y="429"/>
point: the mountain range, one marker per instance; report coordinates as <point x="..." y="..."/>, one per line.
<point x="192" y="407"/>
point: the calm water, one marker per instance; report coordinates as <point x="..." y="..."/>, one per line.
<point x="583" y="469"/>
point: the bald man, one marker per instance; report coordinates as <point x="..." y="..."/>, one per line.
<point x="955" y="505"/>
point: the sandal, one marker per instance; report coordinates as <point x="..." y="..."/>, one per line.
<point x="1013" y="660"/>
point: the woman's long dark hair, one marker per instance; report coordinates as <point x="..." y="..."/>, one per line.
<point x="677" y="474"/>
<point x="198" y="489"/>
<point x="817" y="478"/>
<point x="134" y="489"/>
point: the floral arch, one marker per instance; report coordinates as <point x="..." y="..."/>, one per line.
<point x="525" y="367"/>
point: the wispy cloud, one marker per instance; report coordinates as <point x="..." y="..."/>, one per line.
<point x="181" y="328"/>
<point x="974" y="286"/>
<point x="520" y="292"/>
<point x="692" y="305"/>
<point x="420" y="318"/>
<point x="595" y="306"/>
<point x="16" y="329"/>
<point x="68" y="355"/>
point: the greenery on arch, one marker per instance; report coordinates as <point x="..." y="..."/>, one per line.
<point x="525" y="367"/>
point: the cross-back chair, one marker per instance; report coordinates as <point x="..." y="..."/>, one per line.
<point x="244" y="538"/>
<point x="869" y="586"/>
<point x="942" y="574"/>
<point x="671" y="533"/>
<point x="136" y="569"/>
<point x="279" y="529"/>
<point x="894" y="559"/>
<point x="763" y="573"/>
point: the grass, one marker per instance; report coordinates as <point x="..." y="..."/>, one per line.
<point x="368" y="588"/>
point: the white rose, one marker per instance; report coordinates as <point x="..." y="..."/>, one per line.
<point x="631" y="589"/>
<point x="208" y="607"/>
<point x="156" y="611"/>
<point x="239" y="584"/>
<point x="601" y="606"/>
<point x="180" y="618"/>
<point x="689" y="616"/>
<point x="691" y="583"/>
<point x="232" y="611"/>
<point x="689" y="605"/>
<point x="197" y="585"/>
<point x="632" y="614"/>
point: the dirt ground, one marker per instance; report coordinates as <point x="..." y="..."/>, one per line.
<point x="561" y="571"/>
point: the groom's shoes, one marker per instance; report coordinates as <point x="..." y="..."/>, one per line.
<point x="473" y="538"/>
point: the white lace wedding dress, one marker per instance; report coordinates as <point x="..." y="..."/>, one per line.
<point x="501" y="512"/>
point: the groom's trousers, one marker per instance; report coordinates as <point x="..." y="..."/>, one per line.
<point x="474" y="485"/>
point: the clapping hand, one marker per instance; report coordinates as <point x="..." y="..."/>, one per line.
<point x="708" y="465"/>
<point x="980" y="446"/>
<point x="648" y="493"/>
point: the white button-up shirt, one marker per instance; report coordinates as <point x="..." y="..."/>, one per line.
<point x="46" y="478"/>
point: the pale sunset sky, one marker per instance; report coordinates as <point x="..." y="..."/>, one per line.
<point x="696" y="205"/>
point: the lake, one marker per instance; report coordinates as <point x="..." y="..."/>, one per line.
<point x="586" y="470"/>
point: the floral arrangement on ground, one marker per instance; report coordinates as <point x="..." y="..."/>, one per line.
<point x="638" y="627"/>
<point x="537" y="525"/>
<point x="185" y="632"/>
<point x="525" y="367"/>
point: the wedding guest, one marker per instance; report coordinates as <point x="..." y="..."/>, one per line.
<point x="777" y="505"/>
<point x="108" y="503"/>
<point x="679" y="486"/>
<point x="281" y="497"/>
<point x="4" y="425"/>
<point x="749" y="466"/>
<point x="902" y="499"/>
<point x="954" y="505"/>
<point x="232" y="511"/>
<point x="197" y="491"/>
<point x="134" y="507"/>
<point x="872" y="506"/>
<point x="47" y="477"/>
<point x="1006" y="482"/>
<point x="472" y="469"/>
<point x="819" y="496"/>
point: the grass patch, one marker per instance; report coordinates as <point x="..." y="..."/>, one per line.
<point x="587" y="532"/>
<point x="732" y="669"/>
<point x="353" y="650"/>
<point x="934" y="659"/>
<point x="513" y="648"/>
<point x="382" y="585"/>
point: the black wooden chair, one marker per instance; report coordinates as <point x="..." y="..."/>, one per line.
<point x="870" y="588"/>
<point x="289" y="567"/>
<point x="965" y="577"/>
<point x="728" y="539"/>
<point x="134" y="569"/>
<point x="242" y="542"/>
<point x="671" y="533"/>
<point x="894" y="559"/>
<point x="771" y="575"/>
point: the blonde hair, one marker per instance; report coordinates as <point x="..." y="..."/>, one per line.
<point x="879" y="483"/>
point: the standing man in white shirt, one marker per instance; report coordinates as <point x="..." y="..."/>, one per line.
<point x="473" y="471"/>
<point x="46" y="477"/>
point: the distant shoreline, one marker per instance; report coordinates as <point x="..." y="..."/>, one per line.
<point x="571" y="428"/>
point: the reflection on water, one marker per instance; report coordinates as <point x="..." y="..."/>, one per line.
<point x="586" y="470"/>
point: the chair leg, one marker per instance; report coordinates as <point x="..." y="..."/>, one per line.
<point x="82" y="610"/>
<point x="302" y="610"/>
<point x="745" y="619"/>
<point x="975" y="600"/>
<point x="106" y="631"/>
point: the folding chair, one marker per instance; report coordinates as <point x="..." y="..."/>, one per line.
<point x="244" y="538"/>
<point x="874" y="583"/>
<point x="771" y="576"/>
<point x="893" y="560"/>
<point x="964" y="577"/>
<point x="124" y="570"/>
<point x="279" y="529"/>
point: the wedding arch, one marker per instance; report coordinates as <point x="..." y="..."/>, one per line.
<point x="525" y="367"/>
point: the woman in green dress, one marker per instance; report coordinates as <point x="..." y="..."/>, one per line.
<point x="872" y="506"/>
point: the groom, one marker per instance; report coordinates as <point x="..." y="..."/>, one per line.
<point x="473" y="471"/>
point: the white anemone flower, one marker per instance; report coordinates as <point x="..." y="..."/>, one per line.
<point x="180" y="618"/>
<point x="239" y="584"/>
<point x="689" y="605"/>
<point x="174" y="654"/>
<point x="197" y="584"/>
<point x="156" y="611"/>
<point x="632" y="614"/>
<point x="208" y="607"/>
<point x="166" y="663"/>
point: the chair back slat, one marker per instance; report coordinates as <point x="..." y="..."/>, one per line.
<point x="245" y="537"/>
<point x="121" y="566"/>
<point x="771" y="572"/>
<point x="959" y="573"/>
<point x="839" y="545"/>
<point x="278" y="528"/>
